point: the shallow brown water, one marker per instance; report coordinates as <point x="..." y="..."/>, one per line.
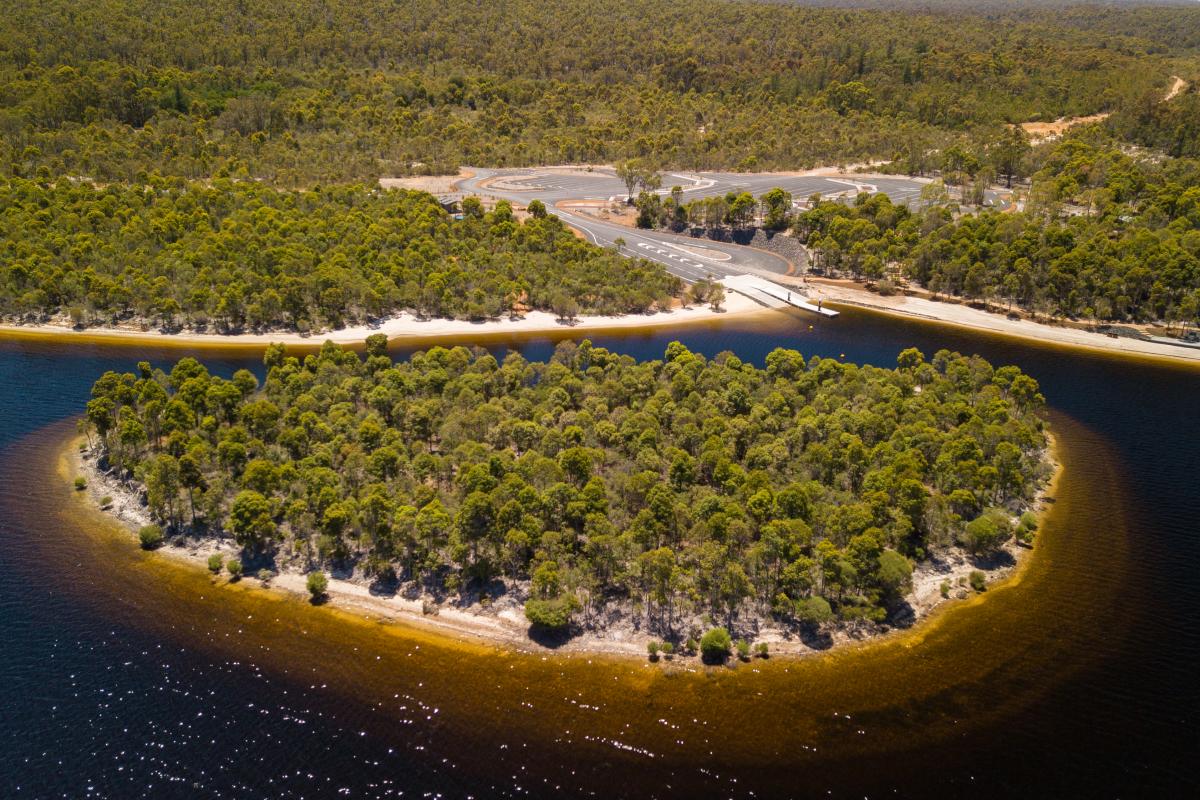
<point x="128" y="675"/>
<point x="967" y="669"/>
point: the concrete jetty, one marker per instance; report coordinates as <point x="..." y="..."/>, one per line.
<point x="773" y="295"/>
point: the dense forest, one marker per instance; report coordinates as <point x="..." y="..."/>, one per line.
<point x="592" y="486"/>
<point x="1103" y="235"/>
<point x="1104" y="232"/>
<point x="1173" y="128"/>
<point x="237" y="255"/>
<point x="318" y="91"/>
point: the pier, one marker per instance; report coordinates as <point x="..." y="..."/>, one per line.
<point x="772" y="295"/>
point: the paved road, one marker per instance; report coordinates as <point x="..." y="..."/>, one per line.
<point x="687" y="257"/>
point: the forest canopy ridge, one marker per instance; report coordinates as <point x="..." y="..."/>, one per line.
<point x="307" y="92"/>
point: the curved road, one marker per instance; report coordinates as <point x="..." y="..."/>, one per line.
<point x="689" y="258"/>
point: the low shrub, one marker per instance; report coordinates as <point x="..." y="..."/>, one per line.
<point x="1027" y="528"/>
<point x="715" y="645"/>
<point x="151" y="536"/>
<point x="978" y="580"/>
<point x="553" y="614"/>
<point x="317" y="584"/>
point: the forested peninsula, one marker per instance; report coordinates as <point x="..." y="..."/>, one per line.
<point x="231" y="256"/>
<point x="593" y="493"/>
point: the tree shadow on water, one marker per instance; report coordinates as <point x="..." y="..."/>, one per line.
<point x="1000" y="559"/>
<point x="816" y="638"/>
<point x="902" y="615"/>
<point x="552" y="638"/>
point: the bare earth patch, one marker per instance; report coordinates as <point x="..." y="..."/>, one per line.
<point x="1178" y="84"/>
<point x="617" y="213"/>
<point x="1041" y="131"/>
<point x="434" y="184"/>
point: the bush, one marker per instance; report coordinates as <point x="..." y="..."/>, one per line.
<point x="945" y="588"/>
<point x="743" y="650"/>
<point x="978" y="580"/>
<point x="235" y="568"/>
<point x="813" y="610"/>
<point x="151" y="536"/>
<point x="895" y="574"/>
<point x="265" y="575"/>
<point x="652" y="649"/>
<point x="80" y="483"/>
<point x="690" y="645"/>
<point x="215" y="562"/>
<point x="1027" y="528"/>
<point x="985" y="533"/>
<point x="106" y="502"/>
<point x="668" y="649"/>
<point x="553" y="615"/>
<point x="317" y="584"/>
<point x="714" y="645"/>
<point x="763" y="650"/>
<point x="854" y="609"/>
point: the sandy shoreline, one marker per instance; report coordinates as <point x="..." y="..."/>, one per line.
<point x="506" y="627"/>
<point x="964" y="316"/>
<point x="736" y="306"/>
<point x="400" y="327"/>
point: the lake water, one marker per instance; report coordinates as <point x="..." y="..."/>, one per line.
<point x="125" y="676"/>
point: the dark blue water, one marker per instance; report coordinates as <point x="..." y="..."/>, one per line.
<point x="92" y="706"/>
